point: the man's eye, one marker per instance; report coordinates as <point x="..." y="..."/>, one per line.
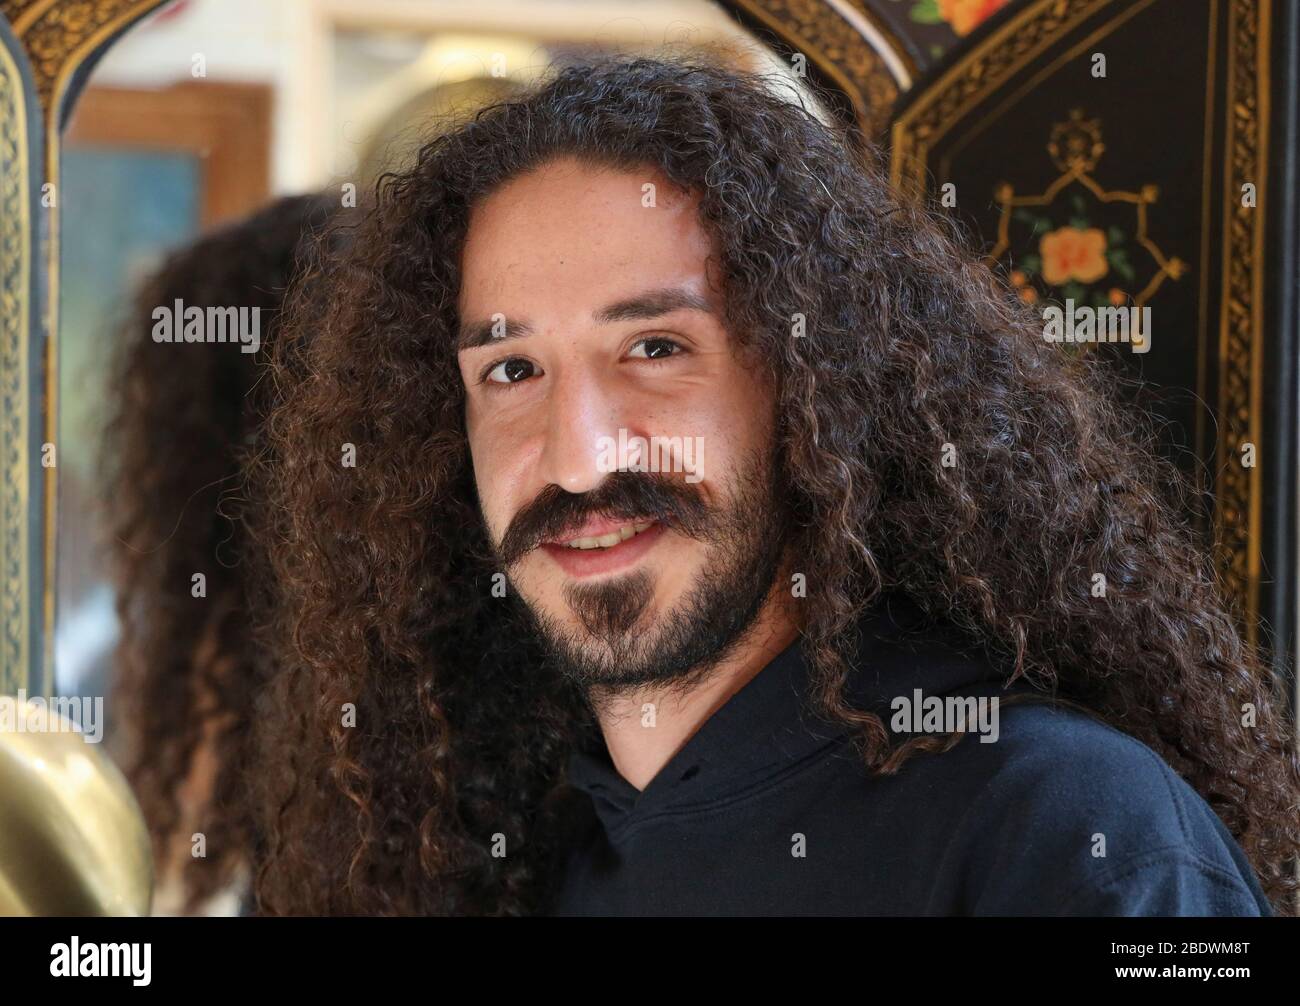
<point x="510" y="371"/>
<point x="654" y="349"/>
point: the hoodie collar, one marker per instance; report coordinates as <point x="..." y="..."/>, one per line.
<point x="769" y="727"/>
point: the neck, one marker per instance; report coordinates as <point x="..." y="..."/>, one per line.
<point x="638" y="750"/>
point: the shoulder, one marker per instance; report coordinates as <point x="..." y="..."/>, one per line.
<point x="1064" y="814"/>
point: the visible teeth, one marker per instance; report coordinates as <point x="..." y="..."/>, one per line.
<point x="610" y="540"/>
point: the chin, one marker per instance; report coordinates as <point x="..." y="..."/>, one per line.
<point x="613" y="632"/>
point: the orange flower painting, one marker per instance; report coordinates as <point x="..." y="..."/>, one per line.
<point x="1070" y="253"/>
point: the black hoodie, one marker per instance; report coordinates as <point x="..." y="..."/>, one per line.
<point x="767" y="810"/>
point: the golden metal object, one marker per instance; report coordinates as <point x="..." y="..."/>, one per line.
<point x="72" y="839"/>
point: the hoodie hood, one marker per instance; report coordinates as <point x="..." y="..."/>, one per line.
<point x="769" y="728"/>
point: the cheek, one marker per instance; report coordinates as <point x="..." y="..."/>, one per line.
<point x="498" y="461"/>
<point x="485" y="459"/>
<point x="736" y="421"/>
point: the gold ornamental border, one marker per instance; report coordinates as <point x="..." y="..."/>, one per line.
<point x="988" y="66"/>
<point x="1238" y="501"/>
<point x="848" y="45"/>
<point x="16" y="234"/>
<point x="58" y="37"/>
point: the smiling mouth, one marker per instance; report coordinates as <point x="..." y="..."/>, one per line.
<point x="615" y="537"/>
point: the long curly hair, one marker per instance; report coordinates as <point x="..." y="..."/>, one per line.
<point x="384" y="609"/>
<point x="180" y="420"/>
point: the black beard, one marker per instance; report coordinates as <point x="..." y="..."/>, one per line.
<point x="614" y="652"/>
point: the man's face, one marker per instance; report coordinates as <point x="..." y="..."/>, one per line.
<point x="622" y="444"/>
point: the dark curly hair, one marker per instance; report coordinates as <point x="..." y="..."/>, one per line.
<point x="462" y="729"/>
<point x="181" y="418"/>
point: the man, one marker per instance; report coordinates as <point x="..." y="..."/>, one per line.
<point x="667" y="504"/>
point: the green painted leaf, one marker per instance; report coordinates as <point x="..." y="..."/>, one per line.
<point x="1118" y="259"/>
<point x="926" y="12"/>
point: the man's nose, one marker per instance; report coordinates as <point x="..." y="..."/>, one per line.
<point x="581" y="415"/>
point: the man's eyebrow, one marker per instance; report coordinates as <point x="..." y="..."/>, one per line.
<point x="651" y="304"/>
<point x="481" y="333"/>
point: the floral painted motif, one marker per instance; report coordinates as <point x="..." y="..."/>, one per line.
<point x="963" y="16"/>
<point x="1076" y="240"/>
<point x="1072" y="256"/>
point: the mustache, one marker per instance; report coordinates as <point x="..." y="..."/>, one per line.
<point x="624" y="496"/>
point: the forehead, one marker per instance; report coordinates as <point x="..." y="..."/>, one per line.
<point x="569" y="235"/>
